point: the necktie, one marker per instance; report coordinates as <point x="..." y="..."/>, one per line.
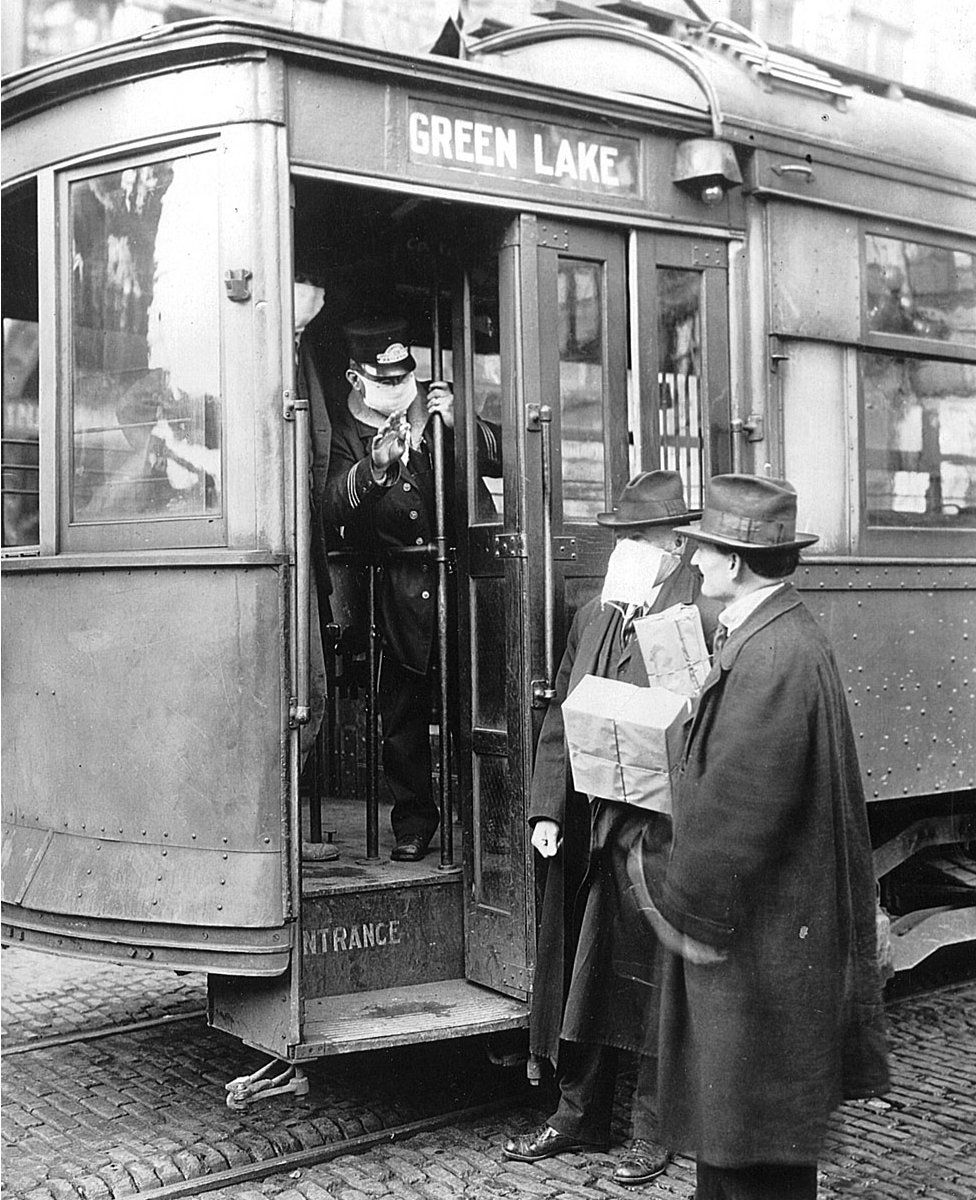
<point x="721" y="637"/>
<point x="627" y="625"/>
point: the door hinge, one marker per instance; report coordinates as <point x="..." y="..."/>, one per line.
<point x="537" y="415"/>
<point x="291" y="404"/>
<point x="706" y="256"/>
<point x="553" y="237"/>
<point x="238" y="284"/>
<point x="508" y="545"/>
<point x="543" y="693"/>
<point x="776" y="353"/>
<point x="753" y="427"/>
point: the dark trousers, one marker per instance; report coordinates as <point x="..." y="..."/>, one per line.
<point x="586" y="1094"/>
<point x="405" y="700"/>
<point x="764" y="1181"/>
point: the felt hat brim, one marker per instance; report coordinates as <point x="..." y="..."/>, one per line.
<point x="716" y="539"/>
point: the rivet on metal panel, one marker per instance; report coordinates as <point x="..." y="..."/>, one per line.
<point x="267" y="840"/>
<point x="220" y="908"/>
<point x="164" y="853"/>
<point x="159" y="879"/>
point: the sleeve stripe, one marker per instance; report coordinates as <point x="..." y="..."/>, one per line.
<point x="351" y="492"/>
<point x="491" y="443"/>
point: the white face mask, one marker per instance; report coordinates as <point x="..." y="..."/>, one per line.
<point x="635" y="571"/>
<point x="387" y="400"/>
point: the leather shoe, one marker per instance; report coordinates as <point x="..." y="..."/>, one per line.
<point x="644" y="1161"/>
<point x="410" y="849"/>
<point x="544" y="1143"/>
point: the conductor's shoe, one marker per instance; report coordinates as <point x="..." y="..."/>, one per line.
<point x="410" y="849"/>
<point x="644" y="1161"/>
<point x="544" y="1143"/>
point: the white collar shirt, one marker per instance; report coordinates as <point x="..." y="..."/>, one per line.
<point x="737" y="612"/>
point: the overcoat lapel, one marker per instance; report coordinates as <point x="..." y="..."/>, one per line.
<point x="778" y="603"/>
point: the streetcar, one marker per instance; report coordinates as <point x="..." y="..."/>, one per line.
<point x="629" y="246"/>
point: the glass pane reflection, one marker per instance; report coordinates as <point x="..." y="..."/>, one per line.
<point x="493" y="833"/>
<point x="920" y="441"/>
<point x="920" y="291"/>
<point x="581" y="383"/>
<point x="488" y="657"/>
<point x="146" y="366"/>
<point x="679" y="379"/>
<point x="21" y="393"/>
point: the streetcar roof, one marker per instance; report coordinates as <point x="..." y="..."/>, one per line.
<point x="707" y="82"/>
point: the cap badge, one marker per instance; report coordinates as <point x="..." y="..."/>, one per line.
<point x="394" y="353"/>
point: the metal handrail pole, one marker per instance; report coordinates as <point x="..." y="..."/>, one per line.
<point x="440" y="539"/>
<point x="372" y="728"/>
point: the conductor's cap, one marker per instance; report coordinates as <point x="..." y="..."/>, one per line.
<point x="379" y="346"/>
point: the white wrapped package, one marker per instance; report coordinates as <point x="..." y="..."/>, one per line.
<point x="624" y="742"/>
<point x="672" y="644"/>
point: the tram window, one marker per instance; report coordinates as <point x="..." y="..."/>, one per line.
<point x="682" y="445"/>
<point x="493" y="849"/>
<point x="920" y="291"/>
<point x="488" y="666"/>
<point x="21" y="395"/>
<point x="146" y="410"/>
<point x="581" y="387"/>
<point x="488" y="498"/>
<point x="920" y="441"/>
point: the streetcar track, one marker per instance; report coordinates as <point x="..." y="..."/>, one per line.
<point x="100" y="1031"/>
<point x="296" y="1159"/>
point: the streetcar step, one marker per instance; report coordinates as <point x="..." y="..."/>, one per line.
<point x="423" y="1012"/>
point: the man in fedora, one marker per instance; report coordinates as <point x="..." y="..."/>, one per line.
<point x="379" y="491"/>
<point x="771" y="1008"/>
<point x="595" y="989"/>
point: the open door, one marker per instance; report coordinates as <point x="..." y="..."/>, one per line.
<point x="611" y="358"/>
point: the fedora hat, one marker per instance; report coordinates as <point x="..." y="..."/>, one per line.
<point x="746" y="512"/>
<point x="651" y="498"/>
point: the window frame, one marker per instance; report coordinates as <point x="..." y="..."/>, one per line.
<point x="903" y="540"/>
<point x="121" y="533"/>
<point x="34" y="549"/>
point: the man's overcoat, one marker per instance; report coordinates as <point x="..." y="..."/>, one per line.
<point x="382" y="520"/>
<point x="588" y="867"/>
<point x="771" y="862"/>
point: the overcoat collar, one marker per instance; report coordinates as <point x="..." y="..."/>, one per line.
<point x="783" y="600"/>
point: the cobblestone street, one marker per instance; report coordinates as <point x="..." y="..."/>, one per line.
<point x="143" y="1109"/>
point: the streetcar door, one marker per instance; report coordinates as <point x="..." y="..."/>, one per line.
<point x="611" y="357"/>
<point x="633" y="371"/>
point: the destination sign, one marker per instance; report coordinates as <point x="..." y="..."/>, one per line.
<point x="461" y="139"/>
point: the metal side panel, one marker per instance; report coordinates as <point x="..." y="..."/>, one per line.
<point x="142" y="747"/>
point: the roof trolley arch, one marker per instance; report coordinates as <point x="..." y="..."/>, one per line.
<point x="534" y="49"/>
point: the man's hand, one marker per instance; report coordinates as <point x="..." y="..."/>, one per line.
<point x="546" y="837"/>
<point x="440" y="399"/>
<point x="389" y="443"/>
<point x="680" y="943"/>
